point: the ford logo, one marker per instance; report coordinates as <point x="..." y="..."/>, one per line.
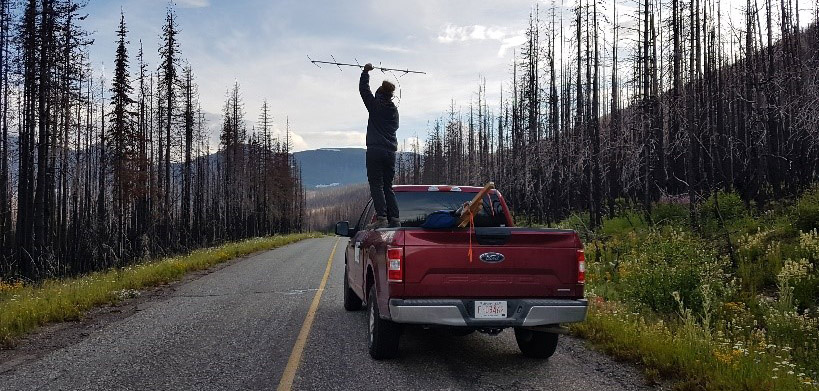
<point x="492" y="257"/>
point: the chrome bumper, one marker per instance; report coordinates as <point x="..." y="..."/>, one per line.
<point x="460" y="312"/>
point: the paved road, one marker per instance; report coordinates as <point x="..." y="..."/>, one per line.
<point x="236" y="328"/>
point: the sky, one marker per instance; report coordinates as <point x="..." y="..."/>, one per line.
<point x="264" y="46"/>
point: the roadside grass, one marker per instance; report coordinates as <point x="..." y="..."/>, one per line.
<point x="688" y="354"/>
<point x="23" y="308"/>
<point x="732" y="305"/>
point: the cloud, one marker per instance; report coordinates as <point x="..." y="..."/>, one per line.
<point x="296" y="140"/>
<point x="510" y="42"/>
<point x="507" y="37"/>
<point x="389" y="49"/>
<point x="193" y="3"/>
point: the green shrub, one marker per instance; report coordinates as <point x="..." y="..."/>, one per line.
<point x="807" y="211"/>
<point x="622" y="224"/>
<point x="788" y="320"/>
<point x="759" y="259"/>
<point x="802" y="271"/>
<point x="670" y="214"/>
<point x="722" y="208"/>
<point x="806" y="292"/>
<point x="668" y="261"/>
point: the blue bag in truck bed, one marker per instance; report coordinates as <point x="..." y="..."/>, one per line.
<point x="440" y="219"/>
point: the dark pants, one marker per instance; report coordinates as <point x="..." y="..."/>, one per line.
<point x="380" y="172"/>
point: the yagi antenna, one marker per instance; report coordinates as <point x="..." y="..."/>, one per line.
<point x="357" y="65"/>
<point x="336" y="62"/>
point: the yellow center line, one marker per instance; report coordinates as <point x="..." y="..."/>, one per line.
<point x="286" y="383"/>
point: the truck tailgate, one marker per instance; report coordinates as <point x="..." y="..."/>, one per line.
<point x="535" y="263"/>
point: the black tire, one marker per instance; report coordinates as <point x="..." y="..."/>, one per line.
<point x="536" y="344"/>
<point x="351" y="301"/>
<point x="382" y="335"/>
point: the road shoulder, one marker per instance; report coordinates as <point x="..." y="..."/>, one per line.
<point x="52" y="337"/>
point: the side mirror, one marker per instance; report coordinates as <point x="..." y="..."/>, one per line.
<point x="343" y="228"/>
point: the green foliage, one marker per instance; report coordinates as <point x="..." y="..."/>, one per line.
<point x="759" y="259"/>
<point x="721" y="210"/>
<point x="806" y="291"/>
<point x="680" y="350"/>
<point x="728" y="204"/>
<point x="577" y="221"/>
<point x="733" y="306"/>
<point x="668" y="261"/>
<point x="622" y="224"/>
<point x="24" y="308"/>
<point x="802" y="271"/>
<point x="806" y="216"/>
<point x="670" y="214"/>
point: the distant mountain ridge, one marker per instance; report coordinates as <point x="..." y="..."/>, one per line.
<point x="321" y="168"/>
<point x="332" y="167"/>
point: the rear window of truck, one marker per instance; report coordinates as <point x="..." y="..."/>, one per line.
<point x="415" y="206"/>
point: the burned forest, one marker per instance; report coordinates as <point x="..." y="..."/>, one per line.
<point x="609" y="109"/>
<point x="100" y="170"/>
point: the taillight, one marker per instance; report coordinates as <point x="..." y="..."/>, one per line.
<point x="581" y="267"/>
<point x="395" y="264"/>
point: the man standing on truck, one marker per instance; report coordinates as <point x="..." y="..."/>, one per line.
<point x="382" y="145"/>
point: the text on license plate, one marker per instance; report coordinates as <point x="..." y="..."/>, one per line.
<point x="490" y="309"/>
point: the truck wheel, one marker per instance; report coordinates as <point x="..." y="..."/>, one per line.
<point x="382" y="335"/>
<point x="351" y="300"/>
<point x="537" y="344"/>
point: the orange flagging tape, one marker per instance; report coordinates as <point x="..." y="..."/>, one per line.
<point x="471" y="229"/>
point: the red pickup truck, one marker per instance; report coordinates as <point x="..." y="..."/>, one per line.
<point x="487" y="278"/>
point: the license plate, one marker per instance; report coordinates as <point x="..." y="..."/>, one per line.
<point x="490" y="309"/>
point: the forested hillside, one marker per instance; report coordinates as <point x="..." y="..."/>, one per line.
<point x="97" y="173"/>
<point x="326" y="207"/>
<point x="677" y="104"/>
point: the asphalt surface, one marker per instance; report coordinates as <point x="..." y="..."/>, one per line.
<point x="235" y="329"/>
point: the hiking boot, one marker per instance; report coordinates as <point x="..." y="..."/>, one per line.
<point x="380" y="222"/>
<point x="395" y="222"/>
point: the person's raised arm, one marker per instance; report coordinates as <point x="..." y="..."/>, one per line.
<point x="364" y="87"/>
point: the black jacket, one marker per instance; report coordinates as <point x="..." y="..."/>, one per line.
<point x="383" y="122"/>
